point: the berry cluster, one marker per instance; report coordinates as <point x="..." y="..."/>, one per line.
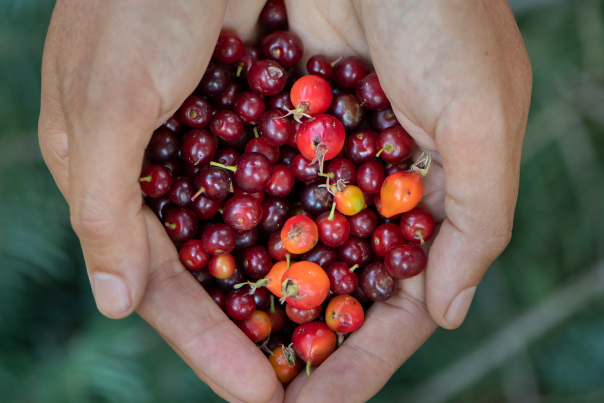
<point x="259" y="166"/>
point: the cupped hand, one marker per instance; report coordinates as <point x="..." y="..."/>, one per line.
<point x="459" y="80"/>
<point x="112" y="72"/>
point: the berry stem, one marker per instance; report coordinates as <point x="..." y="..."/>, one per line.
<point x="290" y="289"/>
<point x="422" y="166"/>
<point x="333" y="211"/>
<point x="219" y="165"/>
<point x="288" y="258"/>
<point x="200" y="191"/>
<point x="239" y="70"/>
<point x="272" y="307"/>
<point x="256" y="134"/>
<point x="308" y="364"/>
<point x="418" y="233"/>
<point x="353" y="268"/>
<point x="340" y="338"/>
<point x="171" y="226"/>
<point x="389" y="147"/>
<point x="327" y="175"/>
<point x="257" y="284"/>
<point x="145" y="179"/>
<point x="336" y="61"/>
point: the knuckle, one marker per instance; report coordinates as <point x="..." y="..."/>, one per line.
<point x="90" y="221"/>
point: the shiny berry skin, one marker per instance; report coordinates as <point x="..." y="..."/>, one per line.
<point x="250" y="107"/>
<point x="274" y="15"/>
<point x="370" y="93"/>
<point x="218" y="296"/>
<point x="226" y="156"/>
<point x="239" y="144"/>
<point x="240" y="305"/>
<point x="203" y="277"/>
<point x="342" y="279"/>
<point x="400" y="192"/>
<point x="226" y="100"/>
<point x="213" y="183"/>
<point x="287" y="155"/>
<point x="275" y="129"/>
<point x="299" y="234"/>
<point x="311" y="95"/>
<point x="256" y="261"/>
<point x="281" y="182"/>
<point x="334" y="228"/>
<point x="361" y="146"/>
<point x="389" y="168"/>
<point x="181" y="191"/>
<point x="205" y="208"/>
<point x="325" y="133"/>
<point x="284" y="47"/>
<point x="257" y="327"/>
<point x="363" y="224"/>
<point x="276" y="248"/>
<point x="227" y="284"/>
<point x="266" y="77"/>
<point x="348" y="110"/>
<point x="385" y="237"/>
<point x="304" y="170"/>
<point x="218" y="239"/>
<point x="302" y="315"/>
<point x="314" y="342"/>
<point x="320" y="65"/>
<point x="226" y="125"/>
<point x="253" y="172"/>
<point x="162" y="147"/>
<point x="192" y="255"/>
<point x="316" y="199"/>
<point x="155" y="180"/>
<point x="342" y="168"/>
<point x="275" y="276"/>
<point x="395" y="144"/>
<point x="344" y="314"/>
<point x="417" y="225"/>
<point x="355" y="251"/>
<point x="370" y="177"/>
<point x="228" y="48"/>
<point x="275" y="212"/>
<point x="321" y="254"/>
<point x="174" y="125"/>
<point x="350" y="200"/>
<point x="246" y="238"/>
<point x="377" y="283"/>
<point x="222" y="266"/>
<point x="195" y="111"/>
<point x="405" y="261"/>
<point x="349" y="71"/>
<point x="181" y="224"/>
<point x="242" y="213"/>
<point x="383" y="119"/>
<point x="305" y="285"/>
<point x="285" y="364"/>
<point x="261" y="146"/>
<point x="280" y="102"/>
<point x="160" y="206"/>
<point x="256" y="195"/>
<point x="198" y="147"/>
<point x="214" y="82"/>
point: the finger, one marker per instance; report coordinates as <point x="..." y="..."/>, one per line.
<point x="111" y="107"/>
<point x="392" y="331"/>
<point x="184" y="314"/>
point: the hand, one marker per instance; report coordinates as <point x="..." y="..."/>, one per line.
<point x="112" y="72"/>
<point x="459" y="81"/>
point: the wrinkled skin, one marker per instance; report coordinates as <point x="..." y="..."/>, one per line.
<point x="459" y="80"/>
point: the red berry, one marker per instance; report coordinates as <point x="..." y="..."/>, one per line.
<point x="385" y="237"/>
<point x="240" y="305"/>
<point x="344" y="314"/>
<point x="195" y="111"/>
<point x="155" y="180"/>
<point x="266" y="77"/>
<point x="321" y="139"/>
<point x="284" y="47"/>
<point x="417" y="225"/>
<point x="228" y="48"/>
<point x="222" y="266"/>
<point x="370" y="93"/>
<point x="405" y="261"/>
<point x="181" y="224"/>
<point x="377" y="283"/>
<point x="302" y="315"/>
<point x="192" y="255"/>
<point x="257" y="327"/>
<point x="314" y="342"/>
<point x="395" y="144"/>
<point x="311" y="95"/>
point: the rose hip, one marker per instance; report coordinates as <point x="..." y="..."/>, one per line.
<point x="299" y="234"/>
<point x="304" y="285"/>
<point x="285" y="364"/>
<point x="344" y="314"/>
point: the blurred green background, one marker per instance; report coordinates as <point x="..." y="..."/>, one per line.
<point x="535" y="332"/>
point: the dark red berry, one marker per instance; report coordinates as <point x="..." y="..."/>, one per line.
<point x="214" y="82"/>
<point x="198" y="147"/>
<point x="261" y="146"/>
<point x="370" y="93"/>
<point x="266" y="77"/>
<point x="274" y="128"/>
<point x="227" y="99"/>
<point x="240" y="305"/>
<point x="250" y="107"/>
<point x="363" y="224"/>
<point x="195" y="111"/>
<point x="385" y="237"/>
<point x="192" y="255"/>
<point x="361" y="146"/>
<point x="256" y="261"/>
<point x="281" y="182"/>
<point x="405" y="261"/>
<point x="162" y="147"/>
<point x="348" y="110"/>
<point x="155" y="180"/>
<point x="383" y="119"/>
<point x="395" y="144"/>
<point x="274" y="15"/>
<point x="342" y="278"/>
<point x="218" y="239"/>
<point x="349" y="71"/>
<point x="370" y="177"/>
<point x="417" y="225"/>
<point x="228" y="48"/>
<point x="181" y="191"/>
<point x="181" y="224"/>
<point x="377" y="283"/>
<point x="242" y="213"/>
<point x="226" y="125"/>
<point x="355" y="251"/>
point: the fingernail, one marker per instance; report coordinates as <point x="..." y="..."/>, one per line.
<point x="111" y="294"/>
<point x="459" y="307"/>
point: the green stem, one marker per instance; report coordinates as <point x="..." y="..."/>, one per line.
<point x="333" y="211"/>
<point x="219" y="165"/>
<point x="352" y="269"/>
<point x="288" y="257"/>
<point x="145" y="179"/>
<point x="256" y="134"/>
<point x="171" y="226"/>
<point x="272" y="308"/>
<point x="239" y="70"/>
<point x="308" y="364"/>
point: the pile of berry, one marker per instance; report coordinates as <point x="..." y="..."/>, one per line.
<point x="259" y="166"/>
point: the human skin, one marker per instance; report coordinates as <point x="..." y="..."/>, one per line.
<point x="459" y="81"/>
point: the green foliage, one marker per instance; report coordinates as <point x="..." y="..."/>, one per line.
<point x="56" y="347"/>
